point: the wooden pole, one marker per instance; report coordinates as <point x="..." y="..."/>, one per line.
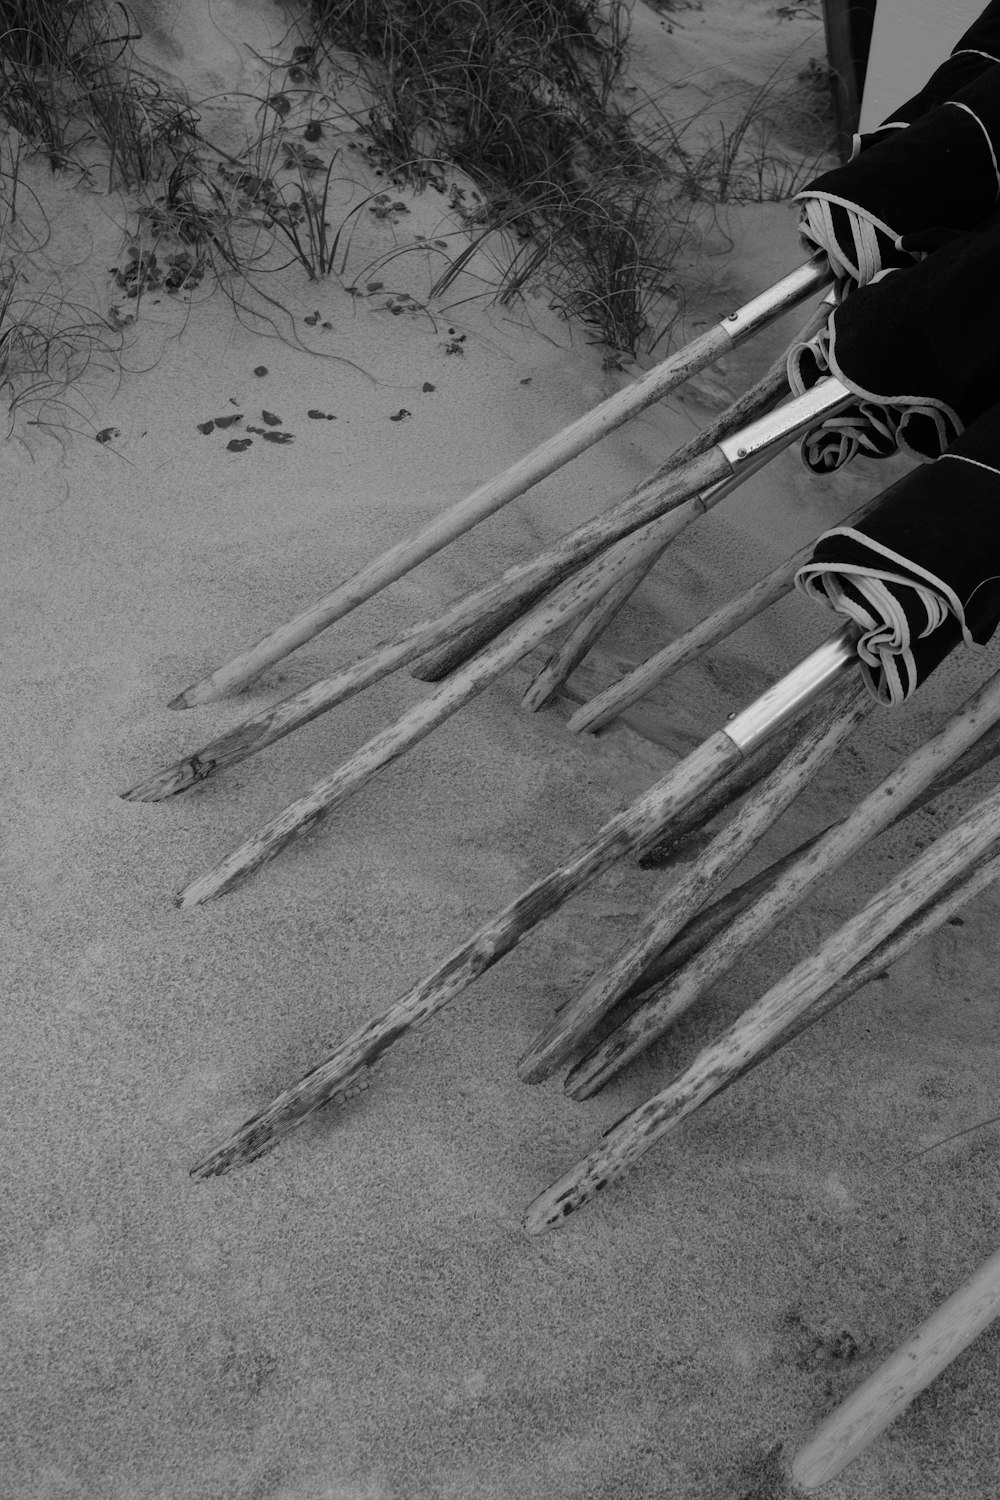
<point x="828" y="852"/>
<point x="668" y="848"/>
<point x="538" y="575"/>
<point x="784" y="1005"/>
<point x="504" y="598"/>
<point x="760" y="398"/>
<point x="716" y="918"/>
<point x="663" y="801"/>
<point x="570" y="653"/>
<point x="558" y="609"/>
<point x="345" y="1066"/>
<point x="554" y="1044"/>
<point x="613" y="700"/>
<point x="488" y="498"/>
<point x="419" y="721"/>
<point x="559" y="666"/>
<point x="888" y="1391"/>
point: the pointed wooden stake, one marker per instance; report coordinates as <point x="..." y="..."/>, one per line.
<point x="479" y="613"/>
<point x="664" y="801"/>
<point x="785" y="1006"/>
<point x="851" y="702"/>
<point x="664" y="1005"/>
<point x="549" y="456"/>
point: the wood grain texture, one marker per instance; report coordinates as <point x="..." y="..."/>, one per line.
<point x="343" y="1068"/>
<point x="413" y="726"/>
<point x="549" y="456"/>
<point x="693" y="643"/>
<point x="588" y="630"/>
<point x="489" y="602"/>
<point x="857" y="1422"/>
<point x="764" y="1024"/>
<point x="913" y="777"/>
<point x="850" y="704"/>
<point x="755" y="402"/>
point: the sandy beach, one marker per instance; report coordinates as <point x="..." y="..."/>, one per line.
<point x="359" y="1315"/>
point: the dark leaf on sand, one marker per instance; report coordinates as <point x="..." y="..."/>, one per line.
<point x="312" y="319"/>
<point x="238" y="445"/>
<point x="278" y="437"/>
<point x="401" y="415"/>
<point x="271" y="419"/>
<point x="427" y="386"/>
<point x="206" y="427"/>
<point x="260" y="369"/>
<point x="321" y="416"/>
<point x="280" y="103"/>
<point x="227" y="421"/>
<point x="107" y="433"/>
<point x="313" y="130"/>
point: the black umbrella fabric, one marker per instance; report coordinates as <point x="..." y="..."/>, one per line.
<point x="921" y="349"/>
<point x="931" y="167"/>
<point x="921" y="573"/>
<point x="910" y="227"/>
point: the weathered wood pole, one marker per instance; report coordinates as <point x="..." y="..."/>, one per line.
<point x="557" y="1041"/>
<point x="758" y="399"/>
<point x="888" y="1391"/>
<point x="488" y="498"/>
<point x="556" y="610"/>
<point x="693" y="643"/>
<point x="677" y="490"/>
<point x="712" y="920"/>
<point x="570" y="653"/>
<point x="665" y="800"/>
<point x="576" y="644"/>
<point x="535" y="578"/>
<point x="664" y="1005"/>
<point x="419" y="721"/>
<point x="761" y="1027"/>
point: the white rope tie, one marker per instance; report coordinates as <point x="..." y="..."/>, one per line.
<point x="818" y="227"/>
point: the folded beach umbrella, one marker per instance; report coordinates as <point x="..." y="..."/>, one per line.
<point x="919" y="347"/>
<point x="931" y="167"/>
<point x="921" y="572"/>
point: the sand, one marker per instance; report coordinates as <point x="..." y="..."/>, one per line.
<point x="359" y="1316"/>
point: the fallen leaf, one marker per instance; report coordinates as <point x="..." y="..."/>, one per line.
<point x="107" y="433"/>
<point x="260" y="369"/>
<point x="206" y="427"/>
<point x="239" y="445"/>
<point x="227" y="421"/>
<point x="271" y="419"/>
<point x="278" y="437"/>
<point x="401" y="415"/>
<point x="428" y="387"/>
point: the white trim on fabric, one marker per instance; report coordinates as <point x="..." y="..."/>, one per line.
<point x="876" y="396"/>
<point x="910" y="569"/>
<point x="960" y="458"/>
<point x="986" y="136"/>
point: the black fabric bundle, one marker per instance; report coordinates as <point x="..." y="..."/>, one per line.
<point x="931" y="166"/>
<point x="921" y="573"/>
<point x="911" y="227"/>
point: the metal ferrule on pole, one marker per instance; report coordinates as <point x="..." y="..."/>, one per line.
<point x="780" y="298"/>
<point x="795" y="691"/>
<point x="778" y="428"/>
